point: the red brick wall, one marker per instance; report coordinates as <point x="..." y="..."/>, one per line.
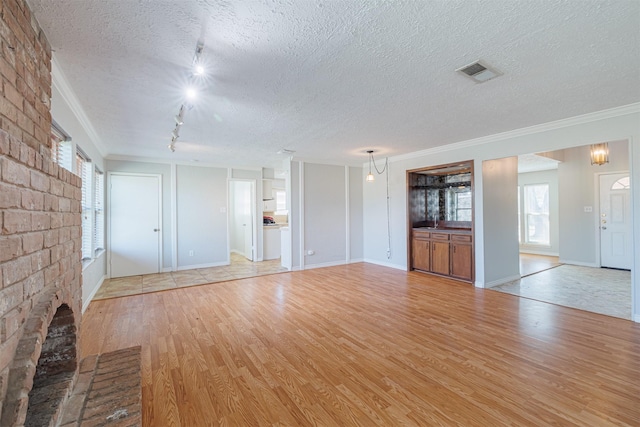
<point x="40" y="213"/>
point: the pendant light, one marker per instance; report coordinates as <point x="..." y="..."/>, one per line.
<point x="370" y="177"/>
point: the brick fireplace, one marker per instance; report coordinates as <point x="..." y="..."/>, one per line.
<point x="40" y="234"/>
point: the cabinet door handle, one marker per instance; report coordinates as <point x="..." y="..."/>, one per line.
<point x="454" y="249"/>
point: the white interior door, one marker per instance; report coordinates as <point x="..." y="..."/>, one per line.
<point x="243" y="222"/>
<point x="615" y="221"/>
<point x="134" y="224"/>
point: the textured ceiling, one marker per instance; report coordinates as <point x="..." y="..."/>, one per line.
<point x="330" y="79"/>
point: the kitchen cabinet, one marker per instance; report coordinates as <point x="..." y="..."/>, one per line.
<point x="269" y="206"/>
<point x="271" y="243"/>
<point x="421" y="251"/>
<point x="440" y="254"/>
<point x="461" y="256"/>
<point x="443" y="252"/>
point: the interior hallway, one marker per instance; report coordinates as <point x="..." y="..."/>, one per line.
<point x="240" y="268"/>
<point x="598" y="290"/>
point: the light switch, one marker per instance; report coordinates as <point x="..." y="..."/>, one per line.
<point x="588" y="208"/>
<point x="223" y="209"/>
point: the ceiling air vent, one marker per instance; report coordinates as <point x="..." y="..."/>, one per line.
<point x="479" y="72"/>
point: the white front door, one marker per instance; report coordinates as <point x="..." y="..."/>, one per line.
<point x="134" y="224"/>
<point x="615" y="221"/>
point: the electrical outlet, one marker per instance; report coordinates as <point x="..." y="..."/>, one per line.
<point x="311" y="252"/>
<point x="191" y="252"/>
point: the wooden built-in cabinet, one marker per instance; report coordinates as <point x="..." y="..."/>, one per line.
<point x="443" y="252"/>
<point x="440" y="220"/>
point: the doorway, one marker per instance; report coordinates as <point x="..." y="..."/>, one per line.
<point x="134" y="224"/>
<point x="242" y="223"/>
<point x="615" y="221"/>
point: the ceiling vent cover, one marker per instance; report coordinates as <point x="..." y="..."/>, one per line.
<point x="479" y="72"/>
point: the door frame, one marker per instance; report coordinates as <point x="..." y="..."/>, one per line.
<point x="596" y="187"/>
<point x="160" y="219"/>
<point x="254" y="213"/>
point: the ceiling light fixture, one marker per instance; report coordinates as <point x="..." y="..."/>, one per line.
<point x="599" y="154"/>
<point x="191" y="94"/>
<point x="370" y="177"/>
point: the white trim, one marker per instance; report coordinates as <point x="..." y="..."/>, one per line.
<point x="532" y="252"/>
<point x="324" y="264"/>
<point x="301" y="214"/>
<point x="167" y="270"/>
<point x="579" y="263"/>
<point x="347" y="221"/>
<point x="636" y="318"/>
<point x="384" y="264"/>
<point x="499" y="281"/>
<point x="164" y="161"/>
<point x="87" y="301"/>
<point x="544" y="127"/>
<point x="59" y="81"/>
<point x="196" y="266"/>
<point x="356" y="260"/>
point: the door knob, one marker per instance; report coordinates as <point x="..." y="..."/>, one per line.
<point x="156" y="229"/>
<point x="603" y="227"/>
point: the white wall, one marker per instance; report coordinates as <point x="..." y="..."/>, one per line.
<point x="549" y="177"/>
<point x="325" y="214"/>
<point x="501" y="253"/>
<point x="201" y="208"/>
<point x="577" y="189"/>
<point x="64" y="112"/>
<point x="611" y="125"/>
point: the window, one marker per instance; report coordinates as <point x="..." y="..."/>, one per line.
<point x="281" y="202"/>
<point x="536" y="214"/>
<point x="98" y="211"/>
<point x="60" y="146"/>
<point x="83" y="169"/>
<point x="463" y="205"/>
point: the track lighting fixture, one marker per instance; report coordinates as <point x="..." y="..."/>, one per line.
<point x="191" y="94"/>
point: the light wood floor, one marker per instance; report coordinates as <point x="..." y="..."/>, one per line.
<point x="532" y="264"/>
<point x="367" y="345"/>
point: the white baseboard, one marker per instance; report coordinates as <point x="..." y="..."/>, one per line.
<point x="193" y="267"/>
<point x="534" y="252"/>
<point x="353" y="261"/>
<point x="324" y="264"/>
<point x="167" y="270"/>
<point x="636" y="318"/>
<point x="499" y="281"/>
<point x="579" y="263"/>
<point x="386" y="264"/>
<point x="87" y="301"/>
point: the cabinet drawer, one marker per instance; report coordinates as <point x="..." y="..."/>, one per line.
<point x="421" y="234"/>
<point x="440" y="236"/>
<point x="461" y="238"/>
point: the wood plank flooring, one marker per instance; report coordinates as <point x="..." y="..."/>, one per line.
<point x="364" y="345"/>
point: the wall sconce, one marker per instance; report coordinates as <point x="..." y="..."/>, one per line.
<point x="370" y="177"/>
<point x="599" y="154"/>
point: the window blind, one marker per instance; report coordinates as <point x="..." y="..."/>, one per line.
<point x="60" y="146"/>
<point x="83" y="167"/>
<point x="98" y="207"/>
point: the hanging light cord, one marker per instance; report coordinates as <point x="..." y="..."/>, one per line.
<point x="380" y="172"/>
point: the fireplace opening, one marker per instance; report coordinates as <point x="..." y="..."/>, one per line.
<point x="55" y="371"/>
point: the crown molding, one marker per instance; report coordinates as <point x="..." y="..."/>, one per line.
<point x="544" y="127"/>
<point x="164" y="161"/>
<point x="61" y="84"/>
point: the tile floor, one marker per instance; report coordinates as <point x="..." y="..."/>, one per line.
<point x="239" y="268"/>
<point x="599" y="290"/>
